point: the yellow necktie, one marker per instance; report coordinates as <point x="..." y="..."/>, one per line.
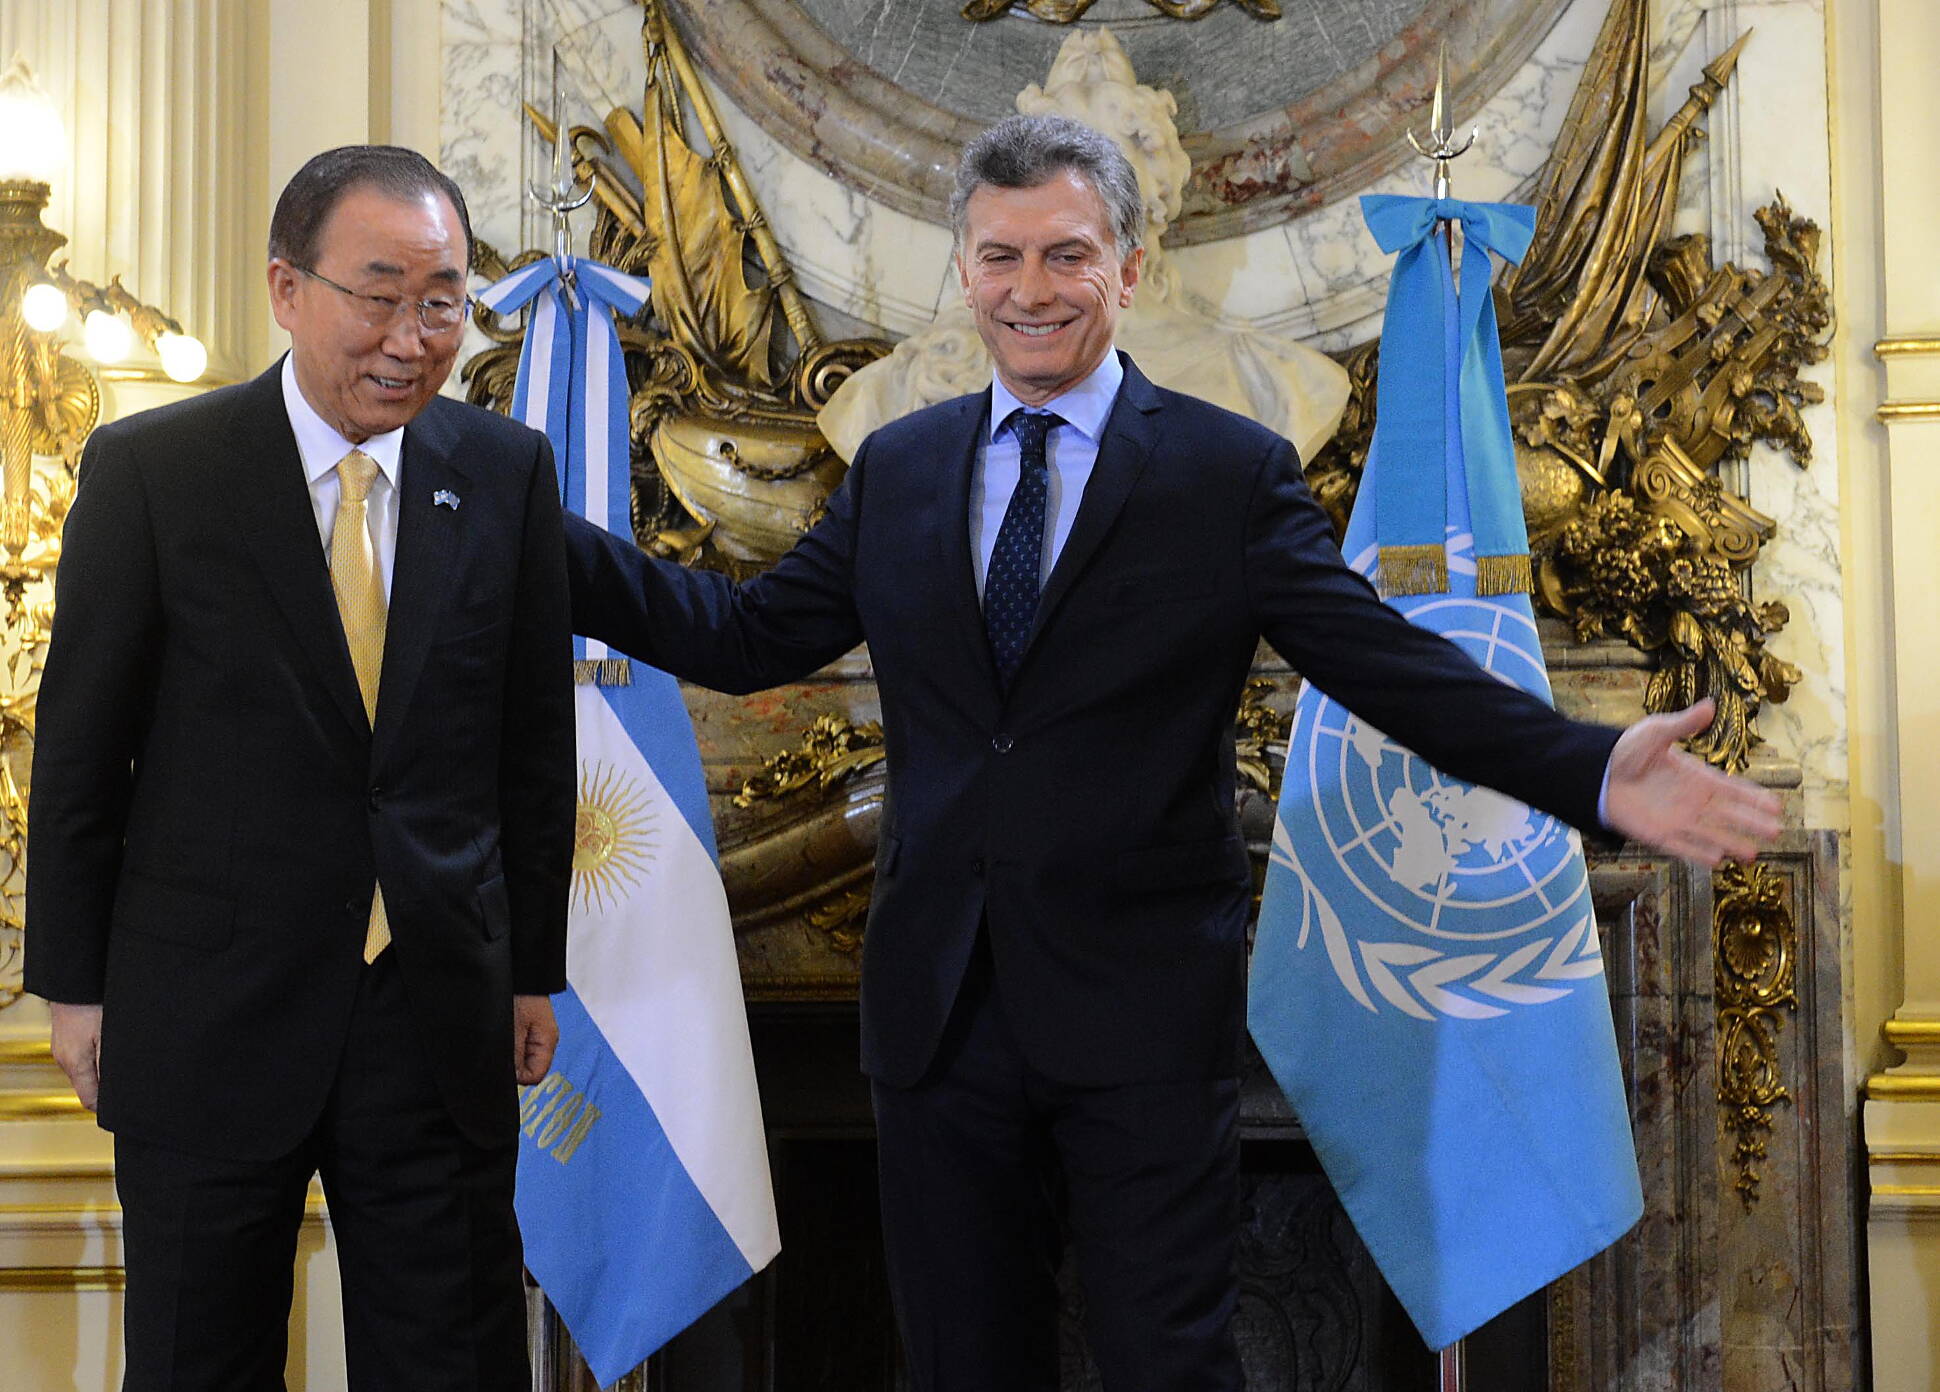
<point x="360" y="603"/>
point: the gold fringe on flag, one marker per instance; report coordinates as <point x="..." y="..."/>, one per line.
<point x="1413" y="570"/>
<point x="1496" y="575"/>
<point x="604" y="671"/>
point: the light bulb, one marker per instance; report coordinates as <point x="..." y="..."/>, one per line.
<point x="44" y="307"/>
<point x="107" y="336"/>
<point x="32" y="142"/>
<point x="183" y="357"/>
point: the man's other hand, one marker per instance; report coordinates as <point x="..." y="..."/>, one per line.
<point x="1669" y="798"/>
<point x="535" y="1034"/>
<point x="77" y="1048"/>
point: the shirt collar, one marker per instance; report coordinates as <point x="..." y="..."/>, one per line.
<point x="1085" y="407"/>
<point x="318" y="443"/>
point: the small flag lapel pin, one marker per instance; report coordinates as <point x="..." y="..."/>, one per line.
<point x="444" y="497"/>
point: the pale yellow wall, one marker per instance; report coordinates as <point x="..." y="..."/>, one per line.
<point x="183" y="119"/>
<point x="1886" y="135"/>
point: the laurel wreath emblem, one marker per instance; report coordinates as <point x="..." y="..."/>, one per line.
<point x="1428" y="983"/>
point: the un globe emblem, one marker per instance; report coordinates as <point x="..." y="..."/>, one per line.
<point x="1433" y="896"/>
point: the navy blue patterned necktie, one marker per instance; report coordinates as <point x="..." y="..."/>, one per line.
<point x="1010" y="588"/>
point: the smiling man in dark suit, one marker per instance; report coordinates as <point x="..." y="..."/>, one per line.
<point x="1062" y="582"/>
<point x="302" y="814"/>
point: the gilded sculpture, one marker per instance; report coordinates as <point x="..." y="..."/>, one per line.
<point x="727" y="366"/>
<point x="1639" y="372"/>
<point x="1757" y="946"/>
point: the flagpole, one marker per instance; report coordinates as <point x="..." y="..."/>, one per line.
<point x="563" y="194"/>
<point x="1441" y="147"/>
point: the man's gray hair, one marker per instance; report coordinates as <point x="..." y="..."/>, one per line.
<point x="1025" y="151"/>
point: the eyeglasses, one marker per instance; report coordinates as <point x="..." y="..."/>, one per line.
<point x="382" y="311"/>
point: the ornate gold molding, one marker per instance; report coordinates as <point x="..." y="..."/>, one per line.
<point x="26" y="1051"/>
<point x="1908" y="410"/>
<point x="1907" y="346"/>
<point x="87" y="1210"/>
<point x="103" y="1168"/>
<point x="1260" y="738"/>
<point x="1756" y="951"/>
<point x="40" y="1106"/>
<point x="1911" y="1034"/>
<point x="1903" y="1087"/>
<point x="62" y="1278"/>
<point x="832" y="748"/>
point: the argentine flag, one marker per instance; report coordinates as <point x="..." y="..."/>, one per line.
<point x="643" y="1186"/>
<point x="1427" y="985"/>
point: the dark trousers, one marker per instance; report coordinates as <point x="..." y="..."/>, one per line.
<point x="985" y="1161"/>
<point x="426" y="1243"/>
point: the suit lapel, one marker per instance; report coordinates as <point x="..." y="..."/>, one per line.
<point x="1127" y="443"/>
<point x="953" y="533"/>
<point x="427" y="544"/>
<point x="261" y="478"/>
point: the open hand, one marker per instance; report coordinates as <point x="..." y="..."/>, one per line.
<point x="1667" y="797"/>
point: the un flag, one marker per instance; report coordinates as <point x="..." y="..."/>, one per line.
<point x="1427" y="985"/>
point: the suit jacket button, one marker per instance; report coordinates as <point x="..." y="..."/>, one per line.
<point x="976" y="868"/>
<point x="1002" y="743"/>
<point x="376" y="797"/>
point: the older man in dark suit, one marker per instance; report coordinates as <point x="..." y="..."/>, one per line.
<point x="302" y="814"/>
<point x="1062" y="582"/>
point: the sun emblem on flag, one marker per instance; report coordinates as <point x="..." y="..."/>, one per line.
<point x="613" y="836"/>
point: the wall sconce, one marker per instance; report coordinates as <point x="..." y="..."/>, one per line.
<point x="49" y="402"/>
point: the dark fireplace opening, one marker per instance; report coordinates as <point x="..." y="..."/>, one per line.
<point x="1314" y="1314"/>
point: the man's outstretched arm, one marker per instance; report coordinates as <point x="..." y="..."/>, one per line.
<point x="701" y="626"/>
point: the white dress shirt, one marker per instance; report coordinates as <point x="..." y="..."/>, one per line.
<point x="1070" y="452"/>
<point x="321" y="449"/>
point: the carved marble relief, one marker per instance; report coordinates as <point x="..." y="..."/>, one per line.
<point x="1277" y="116"/>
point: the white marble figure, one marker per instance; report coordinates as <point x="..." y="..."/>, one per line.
<point x="1282" y="384"/>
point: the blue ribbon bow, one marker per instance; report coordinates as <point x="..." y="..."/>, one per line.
<point x="1418" y="397"/>
<point x="572" y="373"/>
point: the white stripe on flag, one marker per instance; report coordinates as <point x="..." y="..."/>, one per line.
<point x="597" y="443"/>
<point x="597" y="420"/>
<point x="543" y="330"/>
<point x="655" y="967"/>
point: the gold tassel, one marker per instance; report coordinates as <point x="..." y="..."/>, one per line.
<point x="1413" y="570"/>
<point x="1498" y="575"/>
<point x="604" y="671"/>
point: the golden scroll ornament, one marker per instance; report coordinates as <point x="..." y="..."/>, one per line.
<point x="1756" y="955"/>
<point x="1640" y="374"/>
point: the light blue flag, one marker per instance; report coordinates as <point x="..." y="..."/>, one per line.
<point x="643" y="1185"/>
<point x="1427" y="984"/>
